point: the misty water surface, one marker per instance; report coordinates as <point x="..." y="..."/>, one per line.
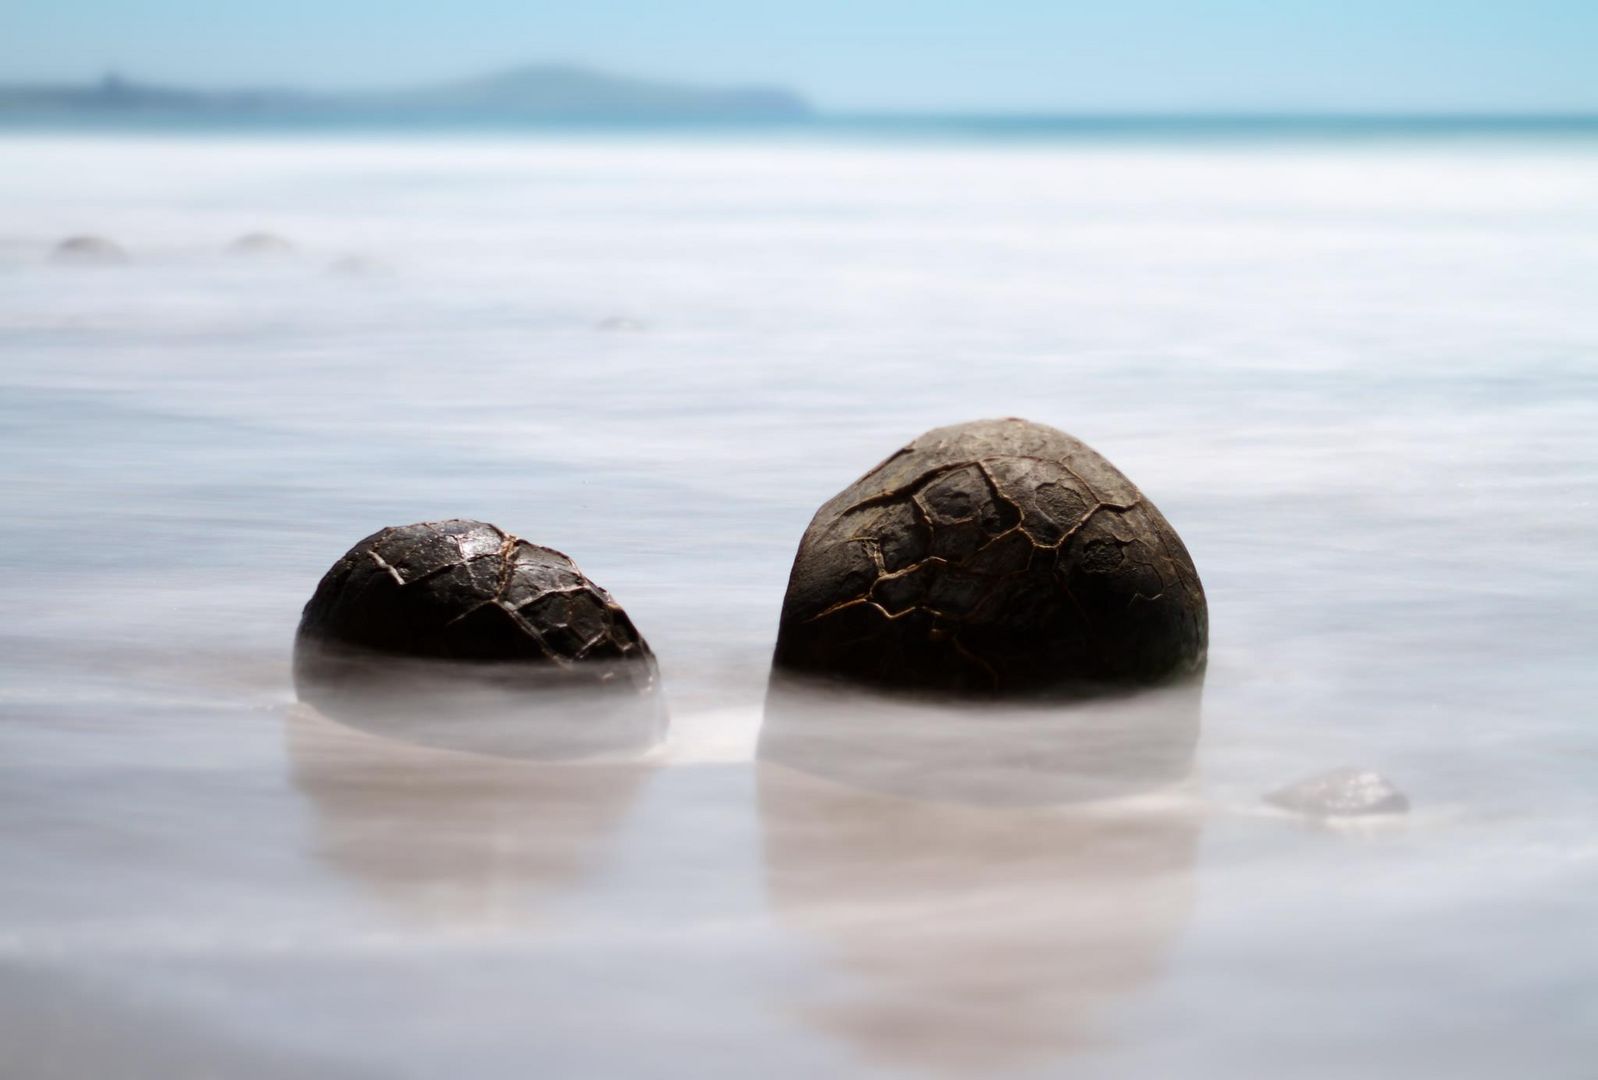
<point x="1361" y="380"/>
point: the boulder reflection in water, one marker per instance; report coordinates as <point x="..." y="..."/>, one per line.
<point x="464" y="791"/>
<point x="984" y="880"/>
<point x="539" y="711"/>
<point x="447" y="836"/>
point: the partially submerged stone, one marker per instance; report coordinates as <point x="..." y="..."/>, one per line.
<point x="466" y="590"/>
<point x="260" y="243"/>
<point x="447" y="632"/>
<point x="1345" y="792"/>
<point x="358" y="266"/>
<point x="993" y="557"/>
<point x="89" y="250"/>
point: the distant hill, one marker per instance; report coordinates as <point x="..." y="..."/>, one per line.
<point x="555" y="93"/>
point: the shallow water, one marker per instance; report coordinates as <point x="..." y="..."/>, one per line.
<point x="1361" y="379"/>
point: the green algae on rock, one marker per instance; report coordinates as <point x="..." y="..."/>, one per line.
<point x="995" y="557"/>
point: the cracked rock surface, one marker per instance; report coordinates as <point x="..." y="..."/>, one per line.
<point x="993" y="557"/>
<point x="466" y="590"/>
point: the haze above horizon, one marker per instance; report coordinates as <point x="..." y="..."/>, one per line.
<point x="1399" y="56"/>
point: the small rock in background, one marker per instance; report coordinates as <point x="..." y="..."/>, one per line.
<point x="95" y="250"/>
<point x="260" y="243"/>
<point x="357" y="266"/>
<point x="1345" y="792"/>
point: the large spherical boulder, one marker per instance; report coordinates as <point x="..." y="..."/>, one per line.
<point x="446" y="632"/>
<point x="994" y="557"/>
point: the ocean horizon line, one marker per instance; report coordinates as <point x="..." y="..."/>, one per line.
<point x="983" y="125"/>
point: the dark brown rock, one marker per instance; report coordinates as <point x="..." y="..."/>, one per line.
<point x="993" y="557"/>
<point x="464" y="590"/>
<point x="449" y="633"/>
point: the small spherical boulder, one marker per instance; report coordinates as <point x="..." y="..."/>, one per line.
<point x="465" y="590"/>
<point x="997" y="557"/>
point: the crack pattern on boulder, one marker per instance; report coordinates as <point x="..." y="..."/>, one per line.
<point x="997" y="556"/>
<point x="465" y="590"/>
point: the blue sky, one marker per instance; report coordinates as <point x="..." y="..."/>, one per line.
<point x="1384" y="55"/>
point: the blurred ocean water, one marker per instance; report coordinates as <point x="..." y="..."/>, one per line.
<point x="1359" y="376"/>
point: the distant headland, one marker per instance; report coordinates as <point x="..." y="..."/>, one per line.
<point x="552" y="93"/>
<point x="559" y="95"/>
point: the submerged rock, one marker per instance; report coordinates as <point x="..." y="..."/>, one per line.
<point x="260" y="243"/>
<point x="1343" y="792"/>
<point x="358" y="266"/>
<point x="447" y="632"/>
<point x="993" y="557"/>
<point x="96" y="250"/>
